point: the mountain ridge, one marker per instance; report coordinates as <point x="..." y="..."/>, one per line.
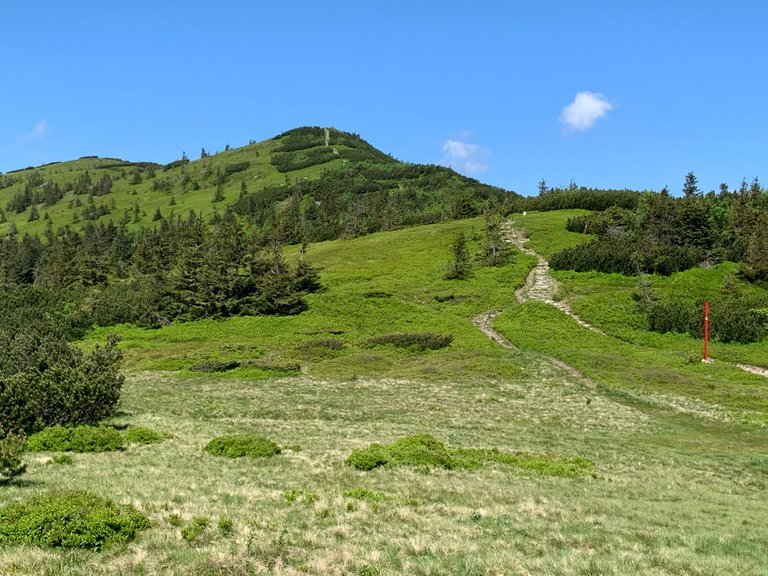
<point x="92" y="188"/>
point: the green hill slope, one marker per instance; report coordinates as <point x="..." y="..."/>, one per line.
<point x="313" y="182"/>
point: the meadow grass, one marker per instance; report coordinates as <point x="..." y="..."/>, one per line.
<point x="546" y="230"/>
<point x="680" y="459"/>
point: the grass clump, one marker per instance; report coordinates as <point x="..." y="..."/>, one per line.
<point x="413" y="340"/>
<point x="226" y="526"/>
<point x="65" y="459"/>
<point x="425" y="451"/>
<point x="76" y="439"/>
<point x="69" y="519"/>
<point x="142" y="435"/>
<point x="239" y="445"/>
<point x="370" y="496"/>
<point x="195" y="528"/>
<point x="306" y="496"/>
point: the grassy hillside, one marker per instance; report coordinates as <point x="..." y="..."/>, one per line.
<point x="259" y="178"/>
<point x="680" y="459"/>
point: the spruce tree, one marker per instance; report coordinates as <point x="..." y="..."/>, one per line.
<point x="755" y="267"/>
<point x="460" y="266"/>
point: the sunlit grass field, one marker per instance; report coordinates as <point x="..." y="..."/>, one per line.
<point x="679" y="449"/>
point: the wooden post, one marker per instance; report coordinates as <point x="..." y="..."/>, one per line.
<point x="706" y="331"/>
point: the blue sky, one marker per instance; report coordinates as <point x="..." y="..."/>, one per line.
<point x="614" y="94"/>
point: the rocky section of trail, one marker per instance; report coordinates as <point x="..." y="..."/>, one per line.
<point x="540" y="284"/>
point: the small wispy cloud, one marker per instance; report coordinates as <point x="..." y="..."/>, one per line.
<point x="464" y="157"/>
<point x="40" y="130"/>
<point x="581" y="114"/>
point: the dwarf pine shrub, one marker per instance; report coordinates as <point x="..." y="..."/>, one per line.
<point x="69" y="519"/>
<point x="413" y="340"/>
<point x="141" y="435"/>
<point x="216" y="366"/>
<point x="44" y="381"/>
<point x="239" y="445"/>
<point x="11" y="449"/>
<point x="76" y="439"/>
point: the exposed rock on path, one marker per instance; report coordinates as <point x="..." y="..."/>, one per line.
<point x="484" y="323"/>
<point x="540" y="285"/>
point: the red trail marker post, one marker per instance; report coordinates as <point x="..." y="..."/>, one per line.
<point x="706" y="333"/>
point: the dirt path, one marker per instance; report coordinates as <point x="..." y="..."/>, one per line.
<point x="484" y="323"/>
<point x="754" y="369"/>
<point x="540" y="285"/>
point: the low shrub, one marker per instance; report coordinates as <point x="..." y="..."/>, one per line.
<point x="141" y="435"/>
<point x="69" y="519"/>
<point x="216" y="366"/>
<point x="420" y="450"/>
<point x="425" y="451"/>
<point x="61" y="459"/>
<point x="377" y="294"/>
<point x="239" y="445"/>
<point x="329" y="343"/>
<point x="76" y="439"/>
<point x="369" y="458"/>
<point x="413" y="340"/>
<point x="11" y="449"/>
<point x="742" y="320"/>
<point x="444" y="297"/>
<point x="280" y="368"/>
<point x="235" y="167"/>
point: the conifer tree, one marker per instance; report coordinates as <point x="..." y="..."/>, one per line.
<point x="460" y="266"/>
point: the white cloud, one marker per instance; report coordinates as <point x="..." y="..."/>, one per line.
<point x="581" y="114"/>
<point x="40" y="130"/>
<point x="464" y="157"/>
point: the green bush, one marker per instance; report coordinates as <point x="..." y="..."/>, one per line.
<point x="425" y="451"/>
<point x="46" y="381"/>
<point x="742" y="320"/>
<point x="422" y="450"/>
<point x="419" y="450"/>
<point x="77" y="439"/>
<point x="69" y="519"/>
<point x="235" y="167"/>
<point x="141" y="435"/>
<point x="413" y="340"/>
<point x="368" y="458"/>
<point x="11" y="449"/>
<point x="239" y="445"/>
<point x="680" y="316"/>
